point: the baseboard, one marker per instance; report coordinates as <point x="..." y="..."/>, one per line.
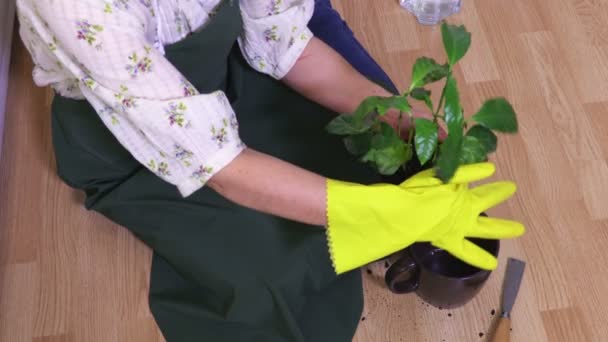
<point x="7" y="20"/>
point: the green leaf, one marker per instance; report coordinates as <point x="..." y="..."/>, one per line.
<point x="486" y="137"/>
<point x="365" y="108"/>
<point x="422" y="94"/>
<point x="437" y="74"/>
<point x="385" y="137"/>
<point x="449" y="154"/>
<point x="388" y="152"/>
<point x="388" y="160"/>
<point x="369" y="108"/>
<point x="456" y="41"/>
<point x="383" y="104"/>
<point x="365" y="115"/>
<point x="343" y="125"/>
<point x="358" y="144"/>
<point x="425" y="71"/>
<point x="498" y="115"/>
<point x="473" y="151"/>
<point x="426" y="139"/>
<point x="453" y="110"/>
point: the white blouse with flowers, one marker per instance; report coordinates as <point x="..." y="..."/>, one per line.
<point x="111" y="54"/>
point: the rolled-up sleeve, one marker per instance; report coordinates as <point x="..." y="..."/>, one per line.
<point x="183" y="136"/>
<point x="275" y="33"/>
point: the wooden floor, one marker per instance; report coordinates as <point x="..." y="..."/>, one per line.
<point x="70" y="275"/>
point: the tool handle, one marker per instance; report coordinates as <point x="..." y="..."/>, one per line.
<point x="503" y="330"/>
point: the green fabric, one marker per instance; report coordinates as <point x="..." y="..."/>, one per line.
<point x="222" y="272"/>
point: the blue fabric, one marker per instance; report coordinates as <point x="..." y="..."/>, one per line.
<point x="327" y="25"/>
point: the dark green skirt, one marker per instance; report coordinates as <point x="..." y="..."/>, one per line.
<point x="222" y="272"/>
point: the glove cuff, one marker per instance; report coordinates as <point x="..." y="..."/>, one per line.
<point x="356" y="232"/>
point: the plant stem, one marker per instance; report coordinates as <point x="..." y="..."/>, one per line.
<point x="442" y="98"/>
<point x="440" y="104"/>
<point x="435" y="153"/>
<point x="399" y="123"/>
<point x="411" y="132"/>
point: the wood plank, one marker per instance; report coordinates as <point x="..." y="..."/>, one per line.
<point x="576" y="45"/>
<point x="594" y="178"/>
<point x="480" y="64"/>
<point x="7" y="19"/>
<point x="582" y="254"/>
<point x="573" y="130"/>
<point x="18" y="290"/>
<point x="598" y="117"/>
<point x="565" y="325"/>
<point x="54" y="338"/>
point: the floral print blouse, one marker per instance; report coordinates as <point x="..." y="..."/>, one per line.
<point x="110" y="52"/>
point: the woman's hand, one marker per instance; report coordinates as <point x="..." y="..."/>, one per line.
<point x="366" y="223"/>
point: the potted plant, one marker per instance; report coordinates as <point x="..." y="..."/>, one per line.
<point x="469" y="140"/>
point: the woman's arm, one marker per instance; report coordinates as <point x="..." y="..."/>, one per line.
<point x="264" y="183"/>
<point x="323" y="76"/>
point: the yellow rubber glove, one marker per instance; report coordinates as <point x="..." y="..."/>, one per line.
<point x="366" y="223"/>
